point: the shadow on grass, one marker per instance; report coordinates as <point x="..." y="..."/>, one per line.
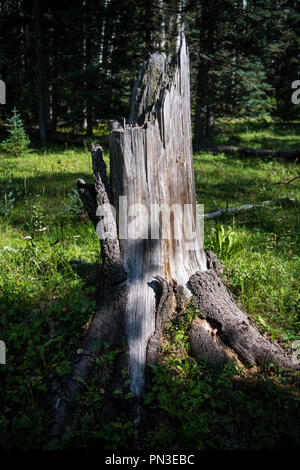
<point x="41" y="327"/>
<point x="209" y="409"/>
<point x="48" y="184"/>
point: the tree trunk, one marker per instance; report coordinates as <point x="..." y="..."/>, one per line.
<point x="210" y="121"/>
<point x="199" y="123"/>
<point x="86" y="53"/>
<point x="202" y="81"/>
<point x="152" y="255"/>
<point x="42" y="75"/>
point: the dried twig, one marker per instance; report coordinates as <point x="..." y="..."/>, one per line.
<point x="289" y="181"/>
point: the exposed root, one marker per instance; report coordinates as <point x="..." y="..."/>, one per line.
<point x="107" y="326"/>
<point x="245" y="207"/>
<point x="233" y="327"/>
<point x="207" y="346"/>
<point x="166" y="305"/>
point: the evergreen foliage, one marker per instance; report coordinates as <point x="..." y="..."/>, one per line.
<point x="18" y="141"/>
<point x="82" y="67"/>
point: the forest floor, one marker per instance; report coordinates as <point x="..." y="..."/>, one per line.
<point x="45" y="306"/>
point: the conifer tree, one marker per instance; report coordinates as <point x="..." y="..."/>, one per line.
<point x="18" y="141"/>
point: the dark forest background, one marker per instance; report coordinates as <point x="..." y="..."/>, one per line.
<point x="72" y="64"/>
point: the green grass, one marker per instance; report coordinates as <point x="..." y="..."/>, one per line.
<point x="44" y="305"/>
<point x="259" y="133"/>
<point x="264" y="273"/>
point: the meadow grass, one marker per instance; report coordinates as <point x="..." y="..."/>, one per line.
<point x="45" y="305"/>
<point x="264" y="270"/>
<point x="263" y="133"/>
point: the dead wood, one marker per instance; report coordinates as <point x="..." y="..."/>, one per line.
<point x="227" y="327"/>
<point x="245" y="207"/>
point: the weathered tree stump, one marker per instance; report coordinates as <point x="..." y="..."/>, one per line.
<point x="151" y="247"/>
<point x="151" y="164"/>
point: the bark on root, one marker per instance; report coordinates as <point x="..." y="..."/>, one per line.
<point x="165" y="306"/>
<point x="107" y="326"/>
<point x="224" y="330"/>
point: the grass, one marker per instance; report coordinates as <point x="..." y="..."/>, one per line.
<point x="263" y="274"/>
<point x="45" y="305"/>
<point x="197" y="407"/>
<point x="259" y="133"/>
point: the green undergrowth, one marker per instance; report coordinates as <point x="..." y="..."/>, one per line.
<point x="203" y="407"/>
<point x="260" y="247"/>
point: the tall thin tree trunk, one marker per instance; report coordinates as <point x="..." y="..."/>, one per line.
<point x="40" y="56"/>
<point x="109" y="34"/>
<point x="88" y="125"/>
<point x="202" y="82"/>
<point x="54" y="75"/>
<point x="205" y="97"/>
<point x="199" y="123"/>
<point x="210" y="51"/>
<point x="210" y="119"/>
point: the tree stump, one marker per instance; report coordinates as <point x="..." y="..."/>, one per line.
<point x="152" y="168"/>
<point x="151" y="247"/>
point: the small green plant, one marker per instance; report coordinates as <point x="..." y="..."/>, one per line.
<point x="18" y="141"/>
<point x="9" y="203"/>
<point x="75" y="207"/>
<point x="10" y="193"/>
<point x="225" y="242"/>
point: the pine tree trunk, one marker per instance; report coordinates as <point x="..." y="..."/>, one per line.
<point x="42" y="75"/>
<point x="152" y="265"/>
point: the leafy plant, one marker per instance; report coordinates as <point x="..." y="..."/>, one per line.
<point x="9" y="194"/>
<point x="75" y="206"/>
<point x="225" y="242"/>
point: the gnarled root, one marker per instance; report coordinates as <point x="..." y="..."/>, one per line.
<point x="224" y="331"/>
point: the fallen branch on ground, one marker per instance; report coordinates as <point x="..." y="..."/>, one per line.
<point x="232" y="210"/>
<point x="289" y="181"/>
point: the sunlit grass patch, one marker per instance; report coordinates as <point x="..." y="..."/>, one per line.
<point x="259" y="133"/>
